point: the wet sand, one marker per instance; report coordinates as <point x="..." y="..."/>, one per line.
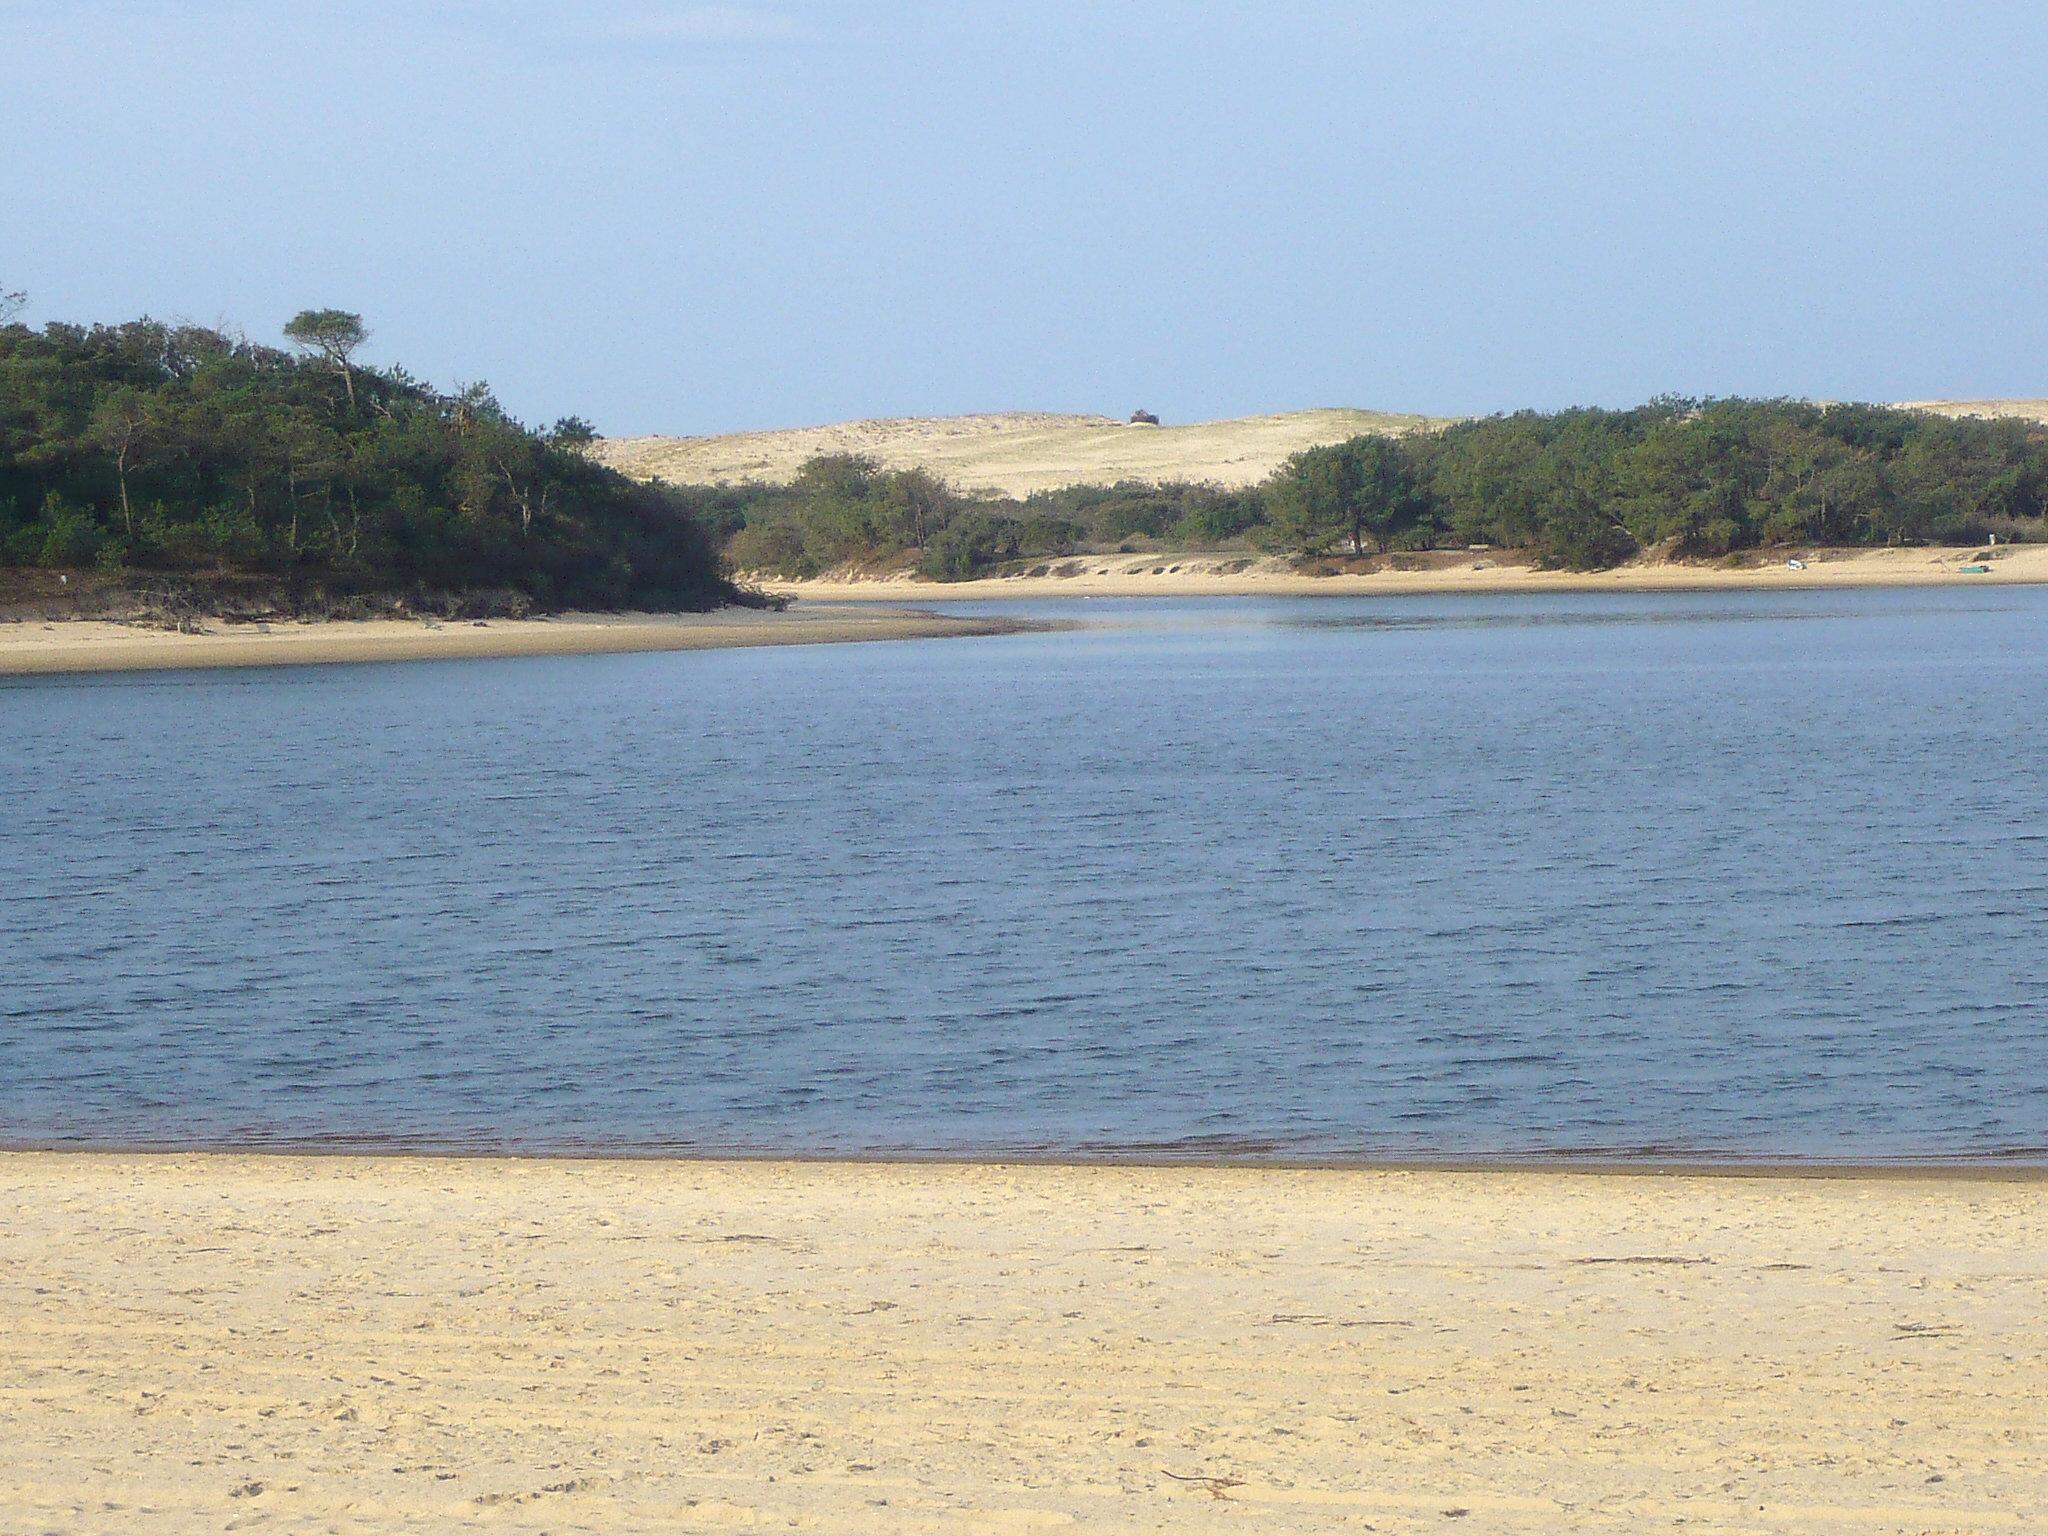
<point x="76" y="645"/>
<point x="207" y="1342"/>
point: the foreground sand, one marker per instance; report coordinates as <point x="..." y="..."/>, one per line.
<point x="1167" y="575"/>
<point x="205" y="1343"/>
<point x="75" y="645"/>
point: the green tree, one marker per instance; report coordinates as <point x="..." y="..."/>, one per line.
<point x="121" y="428"/>
<point x="1346" y="493"/>
<point x="333" y="334"/>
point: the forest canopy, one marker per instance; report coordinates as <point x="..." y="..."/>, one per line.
<point x="184" y="449"/>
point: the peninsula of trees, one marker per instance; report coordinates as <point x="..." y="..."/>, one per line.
<point x="179" y="449"/>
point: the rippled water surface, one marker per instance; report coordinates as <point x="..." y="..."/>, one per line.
<point x="1727" y="876"/>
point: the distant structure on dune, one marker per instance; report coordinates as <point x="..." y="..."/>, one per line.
<point x="1143" y="419"/>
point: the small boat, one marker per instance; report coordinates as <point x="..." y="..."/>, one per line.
<point x="1974" y="570"/>
<point x="1795" y="565"/>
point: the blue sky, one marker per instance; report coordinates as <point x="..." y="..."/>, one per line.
<point x="684" y="217"/>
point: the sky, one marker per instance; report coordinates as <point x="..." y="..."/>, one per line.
<point x="677" y="217"/>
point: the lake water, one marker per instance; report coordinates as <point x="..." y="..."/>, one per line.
<point x="1728" y="876"/>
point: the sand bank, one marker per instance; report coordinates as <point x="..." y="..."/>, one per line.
<point x="1162" y="575"/>
<point x="78" y="645"/>
<point x="202" y="1343"/>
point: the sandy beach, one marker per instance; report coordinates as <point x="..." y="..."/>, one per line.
<point x="1222" y="575"/>
<point x="838" y="610"/>
<point x="82" y="645"/>
<point x="215" y="1342"/>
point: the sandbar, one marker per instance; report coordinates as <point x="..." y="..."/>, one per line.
<point x="86" y="645"/>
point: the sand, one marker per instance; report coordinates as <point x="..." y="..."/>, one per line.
<point x="2017" y="410"/>
<point x="207" y="1343"/>
<point x="1013" y="453"/>
<point x="80" y="645"/>
<point x="1010" y="453"/>
<point x="836" y="611"/>
<point x="1169" y="575"/>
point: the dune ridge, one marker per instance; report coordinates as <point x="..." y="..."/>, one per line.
<point x="1014" y="453"/>
<point x="2018" y="410"/>
<point x="1010" y="453"/>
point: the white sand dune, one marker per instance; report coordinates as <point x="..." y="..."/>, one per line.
<point x="1013" y="453"/>
<point x="1010" y="453"/>
<point x="2022" y="410"/>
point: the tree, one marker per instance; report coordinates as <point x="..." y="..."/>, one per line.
<point x="120" y="427"/>
<point x="1345" y="492"/>
<point x="11" y="301"/>
<point x="918" y="504"/>
<point x="333" y="334"/>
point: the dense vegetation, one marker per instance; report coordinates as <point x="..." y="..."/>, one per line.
<point x="177" y="448"/>
<point x="1578" y="489"/>
<point x="147" y="447"/>
<point x="844" y="509"/>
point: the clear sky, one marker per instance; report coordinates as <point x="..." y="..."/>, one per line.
<point x="680" y="217"/>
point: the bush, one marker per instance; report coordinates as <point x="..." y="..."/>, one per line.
<point x="774" y="549"/>
<point x="1583" y="540"/>
<point x="233" y="535"/>
<point x="969" y="546"/>
<point x="70" y="536"/>
<point x="1212" y="517"/>
<point x="1048" y="536"/>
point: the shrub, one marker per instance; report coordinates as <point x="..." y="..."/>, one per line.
<point x="969" y="546"/>
<point x="70" y="536"/>
<point x="775" y="549"/>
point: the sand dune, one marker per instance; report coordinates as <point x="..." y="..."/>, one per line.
<point x="1011" y="453"/>
<point x="2023" y="410"/>
<point x="196" y="1344"/>
<point x="1014" y="453"/>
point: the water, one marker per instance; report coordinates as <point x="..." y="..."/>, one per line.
<point x="1731" y="876"/>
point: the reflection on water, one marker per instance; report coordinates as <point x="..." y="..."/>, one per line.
<point x="1724" y="876"/>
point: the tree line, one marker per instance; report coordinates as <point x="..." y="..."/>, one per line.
<point x="151" y="447"/>
<point x="1576" y="489"/>
<point x="179" y="448"/>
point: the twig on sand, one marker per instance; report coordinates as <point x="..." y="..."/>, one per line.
<point x="1219" y="1487"/>
<point x="1645" y="1258"/>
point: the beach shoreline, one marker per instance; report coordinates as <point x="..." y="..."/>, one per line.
<point x="1163" y="574"/>
<point x="70" y="646"/>
<point x="1961" y="1167"/>
<point x="845" y="610"/>
<point x="349" y="1343"/>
